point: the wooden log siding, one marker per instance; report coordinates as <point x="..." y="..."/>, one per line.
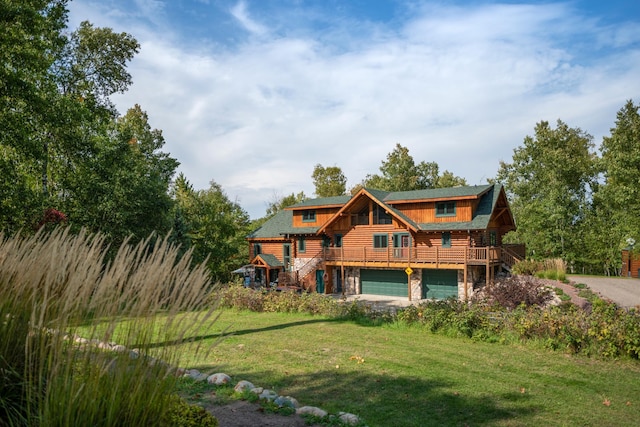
<point x="322" y="216"/>
<point x="426" y="213"/>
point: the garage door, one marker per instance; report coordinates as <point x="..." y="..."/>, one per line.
<point x="384" y="282"/>
<point x="439" y="284"/>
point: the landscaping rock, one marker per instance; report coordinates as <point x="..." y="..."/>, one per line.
<point x="287" y="401"/>
<point x="219" y="379"/>
<point x="244" y="385"/>
<point x="269" y="395"/>
<point x="348" y="418"/>
<point x="312" y="410"/>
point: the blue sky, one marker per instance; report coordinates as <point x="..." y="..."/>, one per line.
<point x="254" y="93"/>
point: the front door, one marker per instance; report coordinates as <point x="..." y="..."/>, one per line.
<point x="401" y="245"/>
<point x="320" y="281"/>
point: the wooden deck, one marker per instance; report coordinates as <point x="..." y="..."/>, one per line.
<point x="424" y="257"/>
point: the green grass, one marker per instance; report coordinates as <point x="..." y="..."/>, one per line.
<point x="404" y="376"/>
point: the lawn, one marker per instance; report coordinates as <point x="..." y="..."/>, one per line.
<point x="405" y="376"/>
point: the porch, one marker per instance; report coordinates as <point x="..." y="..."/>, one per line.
<point x="425" y="257"/>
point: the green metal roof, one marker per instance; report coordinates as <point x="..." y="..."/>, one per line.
<point x="271" y="260"/>
<point x="320" y="202"/>
<point x="437" y="193"/>
<point x="280" y="224"/>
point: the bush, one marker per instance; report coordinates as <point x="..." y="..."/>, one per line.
<point x="526" y="267"/>
<point x="512" y="292"/>
<point x="182" y="414"/>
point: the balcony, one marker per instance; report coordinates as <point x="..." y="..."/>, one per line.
<point x="427" y="257"/>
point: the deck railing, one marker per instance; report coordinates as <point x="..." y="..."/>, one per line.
<point x="424" y="255"/>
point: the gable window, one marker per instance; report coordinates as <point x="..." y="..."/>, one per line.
<point x="380" y="215"/>
<point x="446" y="209"/>
<point x="380" y="241"/>
<point x="309" y="215"/>
<point x="257" y="249"/>
<point x="446" y="239"/>
<point x="361" y="218"/>
<point x="302" y="245"/>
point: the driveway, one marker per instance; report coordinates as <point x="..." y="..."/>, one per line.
<point x="624" y="291"/>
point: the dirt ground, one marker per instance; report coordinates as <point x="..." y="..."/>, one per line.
<point x="241" y="413"/>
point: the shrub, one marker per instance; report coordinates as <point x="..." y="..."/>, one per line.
<point x="55" y="288"/>
<point x="526" y="267"/>
<point x="182" y="414"/>
<point x="512" y="292"/>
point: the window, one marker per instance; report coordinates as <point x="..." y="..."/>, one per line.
<point x="302" y="245"/>
<point x="446" y="239"/>
<point x="361" y="218"/>
<point x="309" y="216"/>
<point x="337" y="240"/>
<point x="493" y="238"/>
<point x="257" y="249"/>
<point x="380" y="215"/>
<point x="326" y="241"/>
<point x="380" y="241"/>
<point x="446" y="209"/>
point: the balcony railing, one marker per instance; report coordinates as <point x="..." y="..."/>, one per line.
<point x="425" y="255"/>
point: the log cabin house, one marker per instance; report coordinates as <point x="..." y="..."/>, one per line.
<point x="421" y="244"/>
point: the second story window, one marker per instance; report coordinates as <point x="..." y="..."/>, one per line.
<point x="380" y="215"/>
<point x="380" y="241"/>
<point x="309" y="216"/>
<point x="257" y="249"/>
<point x="302" y="245"/>
<point x="446" y="209"/>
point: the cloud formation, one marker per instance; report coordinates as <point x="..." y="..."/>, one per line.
<point x="257" y="108"/>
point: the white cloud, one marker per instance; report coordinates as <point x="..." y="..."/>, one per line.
<point x="461" y="87"/>
<point x="240" y="12"/>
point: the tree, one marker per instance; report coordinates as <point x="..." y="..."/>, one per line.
<point x="329" y="181"/>
<point x="400" y="173"/>
<point x="31" y="39"/>
<point x="548" y="183"/>
<point x="617" y="201"/>
<point x="122" y="187"/>
<point x="279" y="203"/>
<point x="215" y="226"/>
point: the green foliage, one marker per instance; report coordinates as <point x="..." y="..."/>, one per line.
<point x="61" y="305"/>
<point x="212" y="226"/>
<point x="279" y="203"/>
<point x="526" y="267"/>
<point x="182" y="414"/>
<point x="548" y="183"/>
<point x="329" y="181"/>
<point x="400" y="173"/>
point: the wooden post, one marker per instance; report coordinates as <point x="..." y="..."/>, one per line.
<point x="464" y="275"/>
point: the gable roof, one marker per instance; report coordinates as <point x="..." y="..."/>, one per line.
<point x="281" y="224"/>
<point x="266" y="260"/>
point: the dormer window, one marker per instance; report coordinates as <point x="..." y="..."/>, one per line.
<point x="309" y="215"/>
<point x="446" y="209"/>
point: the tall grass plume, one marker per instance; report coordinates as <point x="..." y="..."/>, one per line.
<point x="90" y="341"/>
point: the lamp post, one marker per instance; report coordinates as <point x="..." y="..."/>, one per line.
<point x="631" y="242"/>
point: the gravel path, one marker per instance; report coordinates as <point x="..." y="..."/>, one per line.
<point x="624" y="291"/>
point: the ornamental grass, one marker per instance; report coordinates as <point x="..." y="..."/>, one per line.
<point x="63" y="309"/>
